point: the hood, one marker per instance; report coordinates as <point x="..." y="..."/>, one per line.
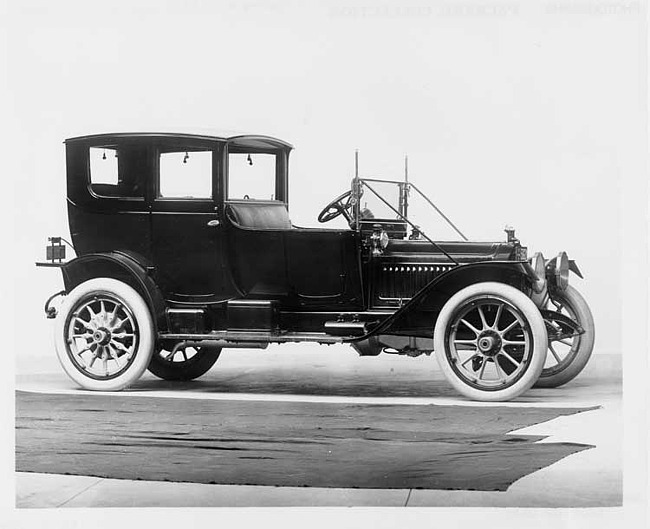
<point x="463" y="252"/>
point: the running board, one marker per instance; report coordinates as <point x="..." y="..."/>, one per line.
<point x="231" y="339"/>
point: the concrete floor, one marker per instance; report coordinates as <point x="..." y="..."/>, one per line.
<point x="592" y="478"/>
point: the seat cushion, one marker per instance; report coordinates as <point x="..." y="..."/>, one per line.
<point x="259" y="215"/>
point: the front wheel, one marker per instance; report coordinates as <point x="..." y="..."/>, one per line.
<point x="104" y="335"/>
<point x="568" y="352"/>
<point x="490" y="341"/>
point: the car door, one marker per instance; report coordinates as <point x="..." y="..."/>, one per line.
<point x="187" y="231"/>
<point x="323" y="268"/>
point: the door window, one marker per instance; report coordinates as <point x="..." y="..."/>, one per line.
<point x="185" y="174"/>
<point x="251" y="175"/>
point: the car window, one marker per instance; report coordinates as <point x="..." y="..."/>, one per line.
<point x="117" y="172"/>
<point x="374" y="207"/>
<point x="185" y="174"/>
<point x="251" y="175"/>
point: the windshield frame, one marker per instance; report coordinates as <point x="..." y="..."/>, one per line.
<point x="358" y="185"/>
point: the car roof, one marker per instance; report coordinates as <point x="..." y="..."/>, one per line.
<point x="252" y="141"/>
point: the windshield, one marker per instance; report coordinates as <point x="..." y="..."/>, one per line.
<point x="372" y="206"/>
<point x="392" y="200"/>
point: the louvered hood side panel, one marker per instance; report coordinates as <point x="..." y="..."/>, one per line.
<point x="396" y="284"/>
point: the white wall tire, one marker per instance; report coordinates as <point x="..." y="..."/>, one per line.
<point x="490" y="341"/>
<point x="568" y="357"/>
<point x="104" y="335"/>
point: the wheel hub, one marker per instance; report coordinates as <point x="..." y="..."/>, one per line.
<point x="102" y="336"/>
<point x="489" y="343"/>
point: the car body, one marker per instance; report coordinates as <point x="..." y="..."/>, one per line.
<point x="180" y="254"/>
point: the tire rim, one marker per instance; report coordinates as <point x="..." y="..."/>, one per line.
<point x="489" y="343"/>
<point x="101" y="336"/>
<point x="562" y="351"/>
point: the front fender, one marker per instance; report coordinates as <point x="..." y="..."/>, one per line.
<point x="128" y="268"/>
<point x="419" y="315"/>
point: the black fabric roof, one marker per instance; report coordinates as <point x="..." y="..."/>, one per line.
<point x="252" y="141"/>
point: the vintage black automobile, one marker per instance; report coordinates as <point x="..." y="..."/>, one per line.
<point x="181" y="253"/>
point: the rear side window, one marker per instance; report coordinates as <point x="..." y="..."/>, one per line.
<point x="185" y="174"/>
<point x="116" y="172"/>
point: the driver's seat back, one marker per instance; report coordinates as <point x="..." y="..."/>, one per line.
<point x="258" y="215"/>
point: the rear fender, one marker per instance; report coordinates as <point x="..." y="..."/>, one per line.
<point x="418" y="316"/>
<point x="128" y="268"/>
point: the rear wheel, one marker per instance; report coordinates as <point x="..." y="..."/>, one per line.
<point x="568" y="352"/>
<point x="490" y="341"/>
<point x="104" y="335"/>
<point x="186" y="363"/>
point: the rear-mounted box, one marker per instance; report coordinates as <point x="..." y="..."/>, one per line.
<point x="55" y="251"/>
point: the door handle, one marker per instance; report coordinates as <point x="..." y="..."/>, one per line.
<point x="214" y="223"/>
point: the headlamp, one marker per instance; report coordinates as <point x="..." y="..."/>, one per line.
<point x="561" y="271"/>
<point x="538" y="264"/>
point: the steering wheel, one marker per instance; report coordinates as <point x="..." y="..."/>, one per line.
<point x="341" y="205"/>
